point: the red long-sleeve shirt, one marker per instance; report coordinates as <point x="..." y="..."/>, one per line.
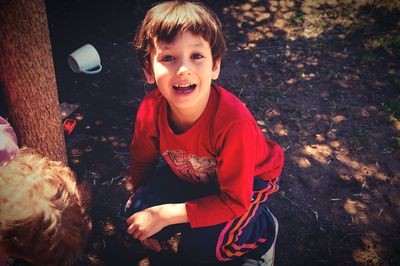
<point x="225" y="143"/>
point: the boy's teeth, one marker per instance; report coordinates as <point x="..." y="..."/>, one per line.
<point x="183" y="86"/>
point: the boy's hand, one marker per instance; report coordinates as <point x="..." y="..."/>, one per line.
<point x="146" y="223"/>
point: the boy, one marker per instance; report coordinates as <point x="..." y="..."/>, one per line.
<point x="220" y="168"/>
<point x="43" y="219"/>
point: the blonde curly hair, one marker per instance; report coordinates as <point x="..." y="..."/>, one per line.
<point x="43" y="216"/>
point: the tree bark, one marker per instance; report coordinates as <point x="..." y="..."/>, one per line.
<point x="28" y="76"/>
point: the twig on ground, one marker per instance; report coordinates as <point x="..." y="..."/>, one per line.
<point x="291" y="201"/>
<point x="287" y="148"/>
<point x="315" y="213"/>
<point x="346" y="236"/>
<point x="336" y="199"/>
<point x="376" y="255"/>
<point x="123" y="162"/>
<point x="111" y="181"/>
<point x="295" y="203"/>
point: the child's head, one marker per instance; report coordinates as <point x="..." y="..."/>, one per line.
<point x="166" y="20"/>
<point x="42" y="210"/>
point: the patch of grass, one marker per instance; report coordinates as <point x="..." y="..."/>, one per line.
<point x="392" y="110"/>
<point x="358" y="139"/>
<point x="298" y="18"/>
<point x="391" y="5"/>
<point x="389" y="42"/>
<point x="395" y="143"/>
<point x="366" y="58"/>
<point x="344" y="11"/>
<point x="271" y="95"/>
<point x="321" y="25"/>
<point x="296" y="111"/>
<point x="353" y="28"/>
<point x="396" y="82"/>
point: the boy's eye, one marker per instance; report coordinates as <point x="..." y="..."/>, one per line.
<point x="197" y="56"/>
<point x="167" y="58"/>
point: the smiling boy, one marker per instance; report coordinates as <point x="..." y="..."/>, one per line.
<point x="183" y="71"/>
<point x="220" y="169"/>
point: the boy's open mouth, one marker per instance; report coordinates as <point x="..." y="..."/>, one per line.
<point x="184" y="89"/>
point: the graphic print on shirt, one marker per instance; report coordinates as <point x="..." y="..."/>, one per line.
<point x="191" y="167"/>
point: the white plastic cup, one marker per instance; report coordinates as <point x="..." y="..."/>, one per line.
<point x="85" y="60"/>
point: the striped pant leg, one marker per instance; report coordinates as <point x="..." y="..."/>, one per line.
<point x="251" y="232"/>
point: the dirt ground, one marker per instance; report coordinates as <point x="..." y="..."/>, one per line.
<point x="322" y="79"/>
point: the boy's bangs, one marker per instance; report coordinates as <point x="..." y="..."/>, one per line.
<point x="178" y="21"/>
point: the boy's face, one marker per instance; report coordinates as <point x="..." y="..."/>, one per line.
<point x="183" y="70"/>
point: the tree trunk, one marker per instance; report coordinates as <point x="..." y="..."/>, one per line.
<point x="28" y="76"/>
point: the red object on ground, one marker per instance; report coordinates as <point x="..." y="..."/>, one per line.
<point x="69" y="125"/>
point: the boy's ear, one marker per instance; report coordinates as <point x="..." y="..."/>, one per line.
<point x="149" y="74"/>
<point x="216" y="69"/>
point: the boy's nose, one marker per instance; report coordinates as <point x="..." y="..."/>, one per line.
<point x="183" y="69"/>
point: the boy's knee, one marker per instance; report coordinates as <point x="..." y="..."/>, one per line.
<point x="144" y="198"/>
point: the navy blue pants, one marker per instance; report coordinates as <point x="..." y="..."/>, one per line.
<point x="251" y="234"/>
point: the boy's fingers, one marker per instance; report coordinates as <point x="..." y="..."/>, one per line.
<point x="132" y="229"/>
<point x="130" y="220"/>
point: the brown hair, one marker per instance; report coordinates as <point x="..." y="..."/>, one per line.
<point x="165" y="20"/>
<point x="43" y="210"/>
